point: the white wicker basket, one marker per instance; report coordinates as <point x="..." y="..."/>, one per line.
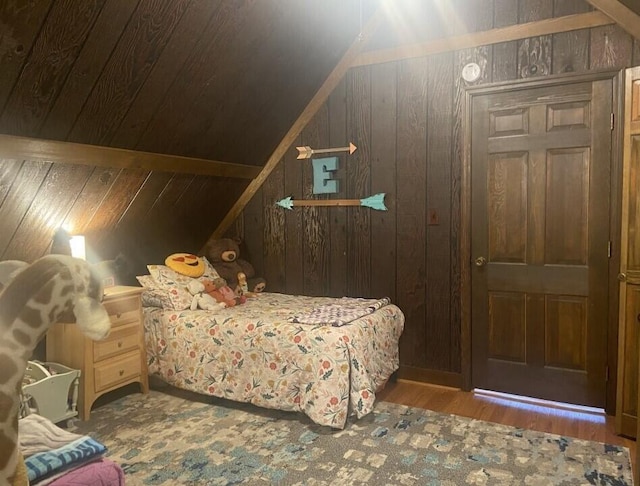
<point x="50" y="390"/>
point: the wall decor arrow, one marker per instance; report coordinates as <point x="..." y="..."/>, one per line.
<point x="307" y="152"/>
<point x="374" y="202"/>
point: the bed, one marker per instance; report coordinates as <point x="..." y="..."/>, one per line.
<point x="278" y="351"/>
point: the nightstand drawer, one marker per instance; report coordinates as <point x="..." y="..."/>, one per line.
<point x="117" y="370"/>
<point x="123" y="339"/>
<point x="123" y="310"/>
<point x="109" y="364"/>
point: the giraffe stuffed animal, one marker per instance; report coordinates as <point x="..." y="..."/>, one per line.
<point x="34" y="297"/>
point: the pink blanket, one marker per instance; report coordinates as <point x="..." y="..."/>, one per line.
<point x="101" y="472"/>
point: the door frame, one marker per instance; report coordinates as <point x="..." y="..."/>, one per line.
<point x="617" y="78"/>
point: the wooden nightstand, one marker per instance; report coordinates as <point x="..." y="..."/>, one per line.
<point x="105" y="365"/>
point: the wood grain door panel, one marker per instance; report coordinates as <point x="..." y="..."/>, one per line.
<point x="627" y="409"/>
<point x="629" y="305"/>
<point x="633" y="215"/>
<point x="540" y="172"/>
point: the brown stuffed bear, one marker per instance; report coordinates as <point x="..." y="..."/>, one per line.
<point x="224" y="255"/>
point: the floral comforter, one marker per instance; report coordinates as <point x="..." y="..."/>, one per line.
<point x="252" y="353"/>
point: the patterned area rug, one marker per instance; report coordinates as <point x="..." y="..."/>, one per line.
<point x="164" y="438"/>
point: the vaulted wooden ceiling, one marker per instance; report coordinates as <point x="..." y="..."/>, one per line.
<point x="211" y="79"/>
<point x="632" y="4"/>
<point x="214" y="85"/>
<point x="204" y="81"/>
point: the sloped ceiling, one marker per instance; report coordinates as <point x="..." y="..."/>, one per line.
<point x="211" y="79"/>
<point x="218" y="80"/>
<point x="632" y="4"/>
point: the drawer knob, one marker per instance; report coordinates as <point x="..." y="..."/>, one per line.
<point x="118" y="316"/>
<point x="119" y="344"/>
<point x="121" y="372"/>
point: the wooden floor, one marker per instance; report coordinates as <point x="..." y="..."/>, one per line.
<point x="525" y="414"/>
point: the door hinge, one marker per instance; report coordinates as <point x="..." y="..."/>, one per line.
<point x="613" y="120"/>
<point x="609" y="249"/>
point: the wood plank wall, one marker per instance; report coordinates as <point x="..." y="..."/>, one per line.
<point x="210" y="79"/>
<point x="143" y="215"/>
<point x="406" y="119"/>
<point x="103" y="47"/>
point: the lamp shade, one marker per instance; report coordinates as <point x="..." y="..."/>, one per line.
<point x="77" y="247"/>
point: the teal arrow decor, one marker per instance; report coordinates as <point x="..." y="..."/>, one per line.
<point x="374" y="202"/>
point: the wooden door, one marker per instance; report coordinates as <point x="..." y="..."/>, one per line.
<point x="628" y="389"/>
<point x="629" y="311"/>
<point x="540" y="202"/>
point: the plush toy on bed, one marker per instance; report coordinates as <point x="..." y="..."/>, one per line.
<point x="218" y="290"/>
<point x="202" y="299"/>
<point x="186" y="264"/>
<point x="224" y="255"/>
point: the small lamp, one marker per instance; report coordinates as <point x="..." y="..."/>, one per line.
<point x="77" y="247"/>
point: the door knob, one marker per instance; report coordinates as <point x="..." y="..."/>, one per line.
<point x="622" y="277"/>
<point x="481" y="261"/>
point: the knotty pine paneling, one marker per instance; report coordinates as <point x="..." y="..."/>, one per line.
<point x="358" y="180"/>
<point x="316" y="222"/>
<point x="534" y="54"/>
<point x="274" y="229"/>
<point x="56" y="194"/>
<point x="338" y="137"/>
<point x="611" y="48"/>
<point x="571" y="49"/>
<point x="224" y="80"/>
<point x="89" y="200"/>
<point x="190" y="32"/>
<point x="149" y="189"/>
<point x="384" y="96"/>
<point x="229" y="74"/>
<point x="144" y="216"/>
<point x="19" y="195"/>
<point x="148" y="32"/>
<point x="411" y="200"/>
<point x="87" y="68"/>
<point x="21" y="23"/>
<point x="122" y="192"/>
<point x="408" y="118"/>
<point x="10" y="169"/>
<point x="505" y="54"/>
<point x="252" y="233"/>
<point x="40" y="80"/>
<point x="294" y="221"/>
<point x="439" y="217"/>
<point x="187" y="77"/>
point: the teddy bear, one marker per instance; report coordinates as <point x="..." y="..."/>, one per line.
<point x="224" y="255"/>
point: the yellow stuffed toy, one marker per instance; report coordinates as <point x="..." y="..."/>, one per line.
<point x="186" y="264"/>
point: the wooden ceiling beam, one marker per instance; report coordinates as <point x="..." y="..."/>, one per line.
<point x="503" y="34"/>
<point x="25" y="148"/>
<point x="305" y="117"/>
<point x="621" y="14"/>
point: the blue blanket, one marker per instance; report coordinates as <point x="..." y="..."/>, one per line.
<point x="44" y="463"/>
